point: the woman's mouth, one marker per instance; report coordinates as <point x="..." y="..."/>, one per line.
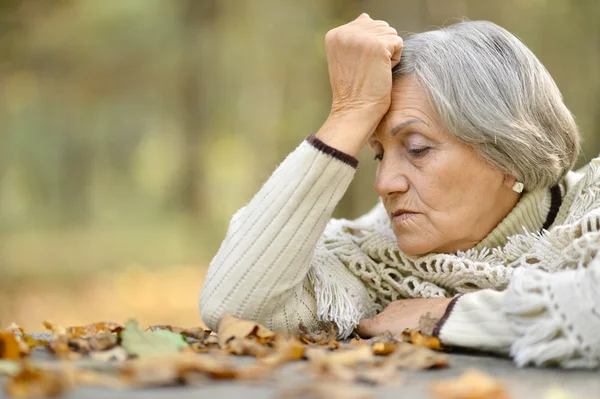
<point x="403" y="217"/>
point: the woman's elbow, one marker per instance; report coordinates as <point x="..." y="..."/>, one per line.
<point x="210" y="312"/>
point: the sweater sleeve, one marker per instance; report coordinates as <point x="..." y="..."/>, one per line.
<point x="268" y="266"/>
<point x="541" y="318"/>
<point x="475" y="320"/>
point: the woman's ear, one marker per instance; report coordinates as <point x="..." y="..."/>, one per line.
<point x="509" y="181"/>
<point x="513" y="184"/>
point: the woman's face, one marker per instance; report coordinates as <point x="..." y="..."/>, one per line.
<point x="440" y="195"/>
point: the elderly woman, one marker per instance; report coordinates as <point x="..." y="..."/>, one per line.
<point x="481" y="223"/>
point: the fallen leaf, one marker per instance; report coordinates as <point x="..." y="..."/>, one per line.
<point x="93" y="329"/>
<point x="34" y="342"/>
<point x="326" y="390"/>
<point x="407" y="356"/>
<point x="9" y="346"/>
<point x="386" y="374"/>
<point x="198" y="333"/>
<point x="472" y="384"/>
<point x="20" y="337"/>
<point x="384" y="348"/>
<point x="321" y="359"/>
<point x="117" y="354"/>
<point x="102" y="341"/>
<point x="231" y="327"/>
<point x="323" y="334"/>
<point x="427" y="324"/>
<point x="59" y="343"/>
<point x="285" y="350"/>
<point x="175" y="369"/>
<point x="145" y="344"/>
<point x="242" y="346"/>
<point x="32" y="382"/>
<point x="416" y="338"/>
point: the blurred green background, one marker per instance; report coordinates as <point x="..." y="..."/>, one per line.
<point x="131" y="130"/>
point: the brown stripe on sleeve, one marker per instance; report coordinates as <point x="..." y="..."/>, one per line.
<point x="440" y="324"/>
<point x="342" y="156"/>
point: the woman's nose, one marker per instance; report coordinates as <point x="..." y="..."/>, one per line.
<point x="390" y="180"/>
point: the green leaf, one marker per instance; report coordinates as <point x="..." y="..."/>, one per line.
<point x="146" y="344"/>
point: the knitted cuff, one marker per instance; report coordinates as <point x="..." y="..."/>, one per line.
<point x="339" y="155"/>
<point x="440" y="324"/>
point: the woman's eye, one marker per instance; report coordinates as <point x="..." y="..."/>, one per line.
<point x="378" y="157"/>
<point x="416" y="152"/>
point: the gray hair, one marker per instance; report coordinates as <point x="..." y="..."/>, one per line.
<point x="493" y="93"/>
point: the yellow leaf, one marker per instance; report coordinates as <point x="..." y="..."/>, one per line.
<point x="407" y="356"/>
<point x="472" y="384"/>
<point x="231" y="327"/>
<point x="383" y="348"/>
<point x="32" y="382"/>
<point x="9" y="346"/>
<point x="325" y="333"/>
<point x="418" y="339"/>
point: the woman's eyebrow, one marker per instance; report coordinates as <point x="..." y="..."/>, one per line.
<point x="404" y="124"/>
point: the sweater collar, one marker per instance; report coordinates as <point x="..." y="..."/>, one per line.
<point x="531" y="214"/>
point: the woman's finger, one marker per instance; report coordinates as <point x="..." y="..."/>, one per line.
<point x="397" y="51"/>
<point x="367" y="328"/>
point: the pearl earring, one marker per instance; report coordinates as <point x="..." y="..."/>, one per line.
<point x="518" y="187"/>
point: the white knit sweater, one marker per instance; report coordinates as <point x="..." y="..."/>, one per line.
<point x="535" y="295"/>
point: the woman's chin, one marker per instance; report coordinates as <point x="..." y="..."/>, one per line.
<point x="410" y="246"/>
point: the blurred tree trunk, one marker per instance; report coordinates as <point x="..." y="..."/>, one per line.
<point x="197" y="16"/>
<point x="75" y="178"/>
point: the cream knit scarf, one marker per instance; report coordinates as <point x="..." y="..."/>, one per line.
<point x="367" y="247"/>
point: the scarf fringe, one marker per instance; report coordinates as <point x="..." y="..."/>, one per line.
<point x="333" y="302"/>
<point x="526" y="307"/>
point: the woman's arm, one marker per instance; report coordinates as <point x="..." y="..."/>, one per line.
<point x="260" y="272"/>
<point x="263" y="269"/>
<point x="541" y="318"/>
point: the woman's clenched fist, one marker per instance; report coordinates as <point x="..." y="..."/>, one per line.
<point x="360" y="58"/>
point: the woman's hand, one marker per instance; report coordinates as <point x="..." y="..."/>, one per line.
<point x="360" y="57"/>
<point x="402" y="314"/>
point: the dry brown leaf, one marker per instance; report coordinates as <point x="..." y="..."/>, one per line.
<point x="427" y="324"/>
<point x="198" y="333"/>
<point x="321" y="360"/>
<point x="231" y="328"/>
<point x="32" y="382"/>
<point x="9" y="346"/>
<point x="325" y="333"/>
<point x="384" y="348"/>
<point x="117" y="354"/>
<point x="69" y="343"/>
<point x="102" y="341"/>
<point x="418" y="339"/>
<point x="33" y="342"/>
<point x="176" y="369"/>
<point x="472" y="384"/>
<point x="326" y="390"/>
<point x="59" y="343"/>
<point x="407" y="356"/>
<point x="286" y="350"/>
<point x="94" y="328"/>
<point x="385" y="374"/>
<point x="21" y="339"/>
<point x="373" y="375"/>
<point x="244" y="346"/>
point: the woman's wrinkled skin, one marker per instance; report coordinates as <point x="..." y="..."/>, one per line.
<point x="451" y="197"/>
